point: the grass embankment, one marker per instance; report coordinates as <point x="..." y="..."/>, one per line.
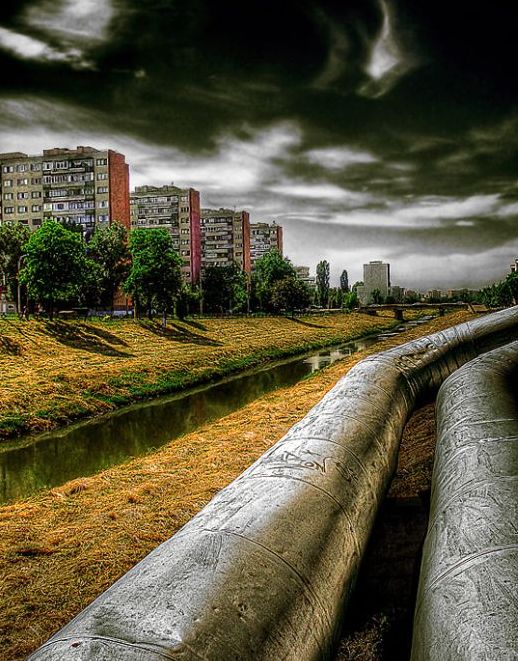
<point x="61" y="548"/>
<point x="56" y="372"/>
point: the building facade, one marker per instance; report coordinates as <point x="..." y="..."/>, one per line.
<point x="84" y="186"/>
<point x="178" y="211"/>
<point x="376" y="277"/>
<point x="263" y="238"/>
<point x="225" y="238"/>
<point x="304" y="275"/>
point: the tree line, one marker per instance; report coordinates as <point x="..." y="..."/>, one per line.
<point x="55" y="267"/>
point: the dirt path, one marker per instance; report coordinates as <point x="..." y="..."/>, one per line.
<point x="379" y="627"/>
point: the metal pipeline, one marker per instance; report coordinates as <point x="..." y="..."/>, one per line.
<point x="265" y="570"/>
<point x="467" y="604"/>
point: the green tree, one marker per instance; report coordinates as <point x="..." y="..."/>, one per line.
<point x="290" y="294"/>
<point x="187" y="301"/>
<point x="323" y="282"/>
<point x="350" y="300"/>
<point x="376" y="297"/>
<point x="13" y="238"/>
<point x="269" y="269"/>
<point x="344" y="281"/>
<point x="155" y="277"/>
<point x="55" y="265"/>
<point x="336" y="296"/>
<point x="108" y="248"/>
<point x="224" y="289"/>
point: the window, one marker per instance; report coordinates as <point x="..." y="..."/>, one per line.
<point x="101" y="161"/>
<point x="8" y="209"/>
<point x="101" y="176"/>
<point x="8" y="183"/>
<point x="24" y="221"/>
<point x="102" y="189"/>
<point x="23" y="167"/>
<point x="48" y="165"/>
<point x="8" y="168"/>
<point x="35" y="194"/>
<point x="36" y="167"/>
<point x="103" y="204"/>
<point x="23" y="196"/>
<point x="36" y="221"/>
<point x="36" y="182"/>
<point x="61" y="165"/>
<point x="102" y="219"/>
<point x="36" y="207"/>
<point x="23" y="182"/>
<point x="22" y="210"/>
<point x="8" y="196"/>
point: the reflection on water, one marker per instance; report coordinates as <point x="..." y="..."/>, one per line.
<point x="83" y="449"/>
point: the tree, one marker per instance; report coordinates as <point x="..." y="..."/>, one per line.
<point x="323" y="282"/>
<point x="350" y="300"/>
<point x="13" y="238"/>
<point x="344" y="282"/>
<point x="269" y="269"/>
<point x="224" y="289"/>
<point x="108" y="248"/>
<point x="376" y="297"/>
<point x="155" y="277"/>
<point x="55" y="265"/>
<point x="336" y="296"/>
<point x="187" y="301"/>
<point x="290" y="294"/>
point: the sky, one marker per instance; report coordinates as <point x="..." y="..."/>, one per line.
<point x="369" y="129"/>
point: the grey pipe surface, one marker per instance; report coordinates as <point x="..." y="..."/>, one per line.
<point x="467" y="604"/>
<point x="265" y="569"/>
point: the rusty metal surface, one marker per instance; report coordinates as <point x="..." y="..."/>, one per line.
<point x="467" y="605"/>
<point x="265" y="570"/>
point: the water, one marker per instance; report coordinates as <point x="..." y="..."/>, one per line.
<point x="51" y="459"/>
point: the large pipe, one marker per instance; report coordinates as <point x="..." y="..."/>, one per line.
<point x="265" y="569"/>
<point x="467" y="605"/>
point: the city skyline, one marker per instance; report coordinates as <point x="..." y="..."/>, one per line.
<point x="368" y="130"/>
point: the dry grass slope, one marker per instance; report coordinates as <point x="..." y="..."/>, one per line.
<point x="60" y="549"/>
<point x="52" y="373"/>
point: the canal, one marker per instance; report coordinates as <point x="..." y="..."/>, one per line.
<point x="51" y="459"/>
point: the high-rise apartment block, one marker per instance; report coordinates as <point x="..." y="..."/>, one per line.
<point x="263" y="238"/>
<point x="83" y="186"/>
<point x="225" y="238"/>
<point x="376" y="277"/>
<point x="178" y="211"/>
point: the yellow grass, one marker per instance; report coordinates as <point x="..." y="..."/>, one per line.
<point x="61" y="548"/>
<point x="52" y="373"/>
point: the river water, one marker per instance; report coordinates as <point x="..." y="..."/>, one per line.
<point x="50" y="459"/>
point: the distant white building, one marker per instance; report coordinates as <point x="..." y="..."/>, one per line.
<point x="376" y="277"/>
<point x="303" y="274"/>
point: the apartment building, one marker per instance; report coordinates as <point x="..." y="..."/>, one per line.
<point x="178" y="211"/>
<point x="263" y="238"/>
<point x="225" y="238"/>
<point x="83" y="186"/>
<point x="376" y="277"/>
<point x="304" y="275"/>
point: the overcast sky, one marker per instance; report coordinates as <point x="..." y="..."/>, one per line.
<point x="369" y="129"/>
